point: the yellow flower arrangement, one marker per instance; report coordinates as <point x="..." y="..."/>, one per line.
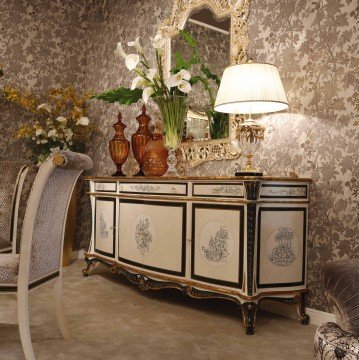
<point x="60" y="123"/>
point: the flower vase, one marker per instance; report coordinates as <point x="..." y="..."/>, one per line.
<point x="119" y="146"/>
<point x="140" y="138"/>
<point x="173" y="111"/>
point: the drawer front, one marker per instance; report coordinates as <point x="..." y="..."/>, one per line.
<point x="283" y="191"/>
<point x="175" y="189"/>
<point x="217" y="244"/>
<point x="105" y="222"/>
<point x="152" y="235"/>
<point x="105" y="187"/>
<point x="228" y="190"/>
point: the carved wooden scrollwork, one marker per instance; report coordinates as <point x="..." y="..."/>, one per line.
<point x="196" y="152"/>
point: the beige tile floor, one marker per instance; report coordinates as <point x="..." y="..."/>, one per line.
<point x="111" y="319"/>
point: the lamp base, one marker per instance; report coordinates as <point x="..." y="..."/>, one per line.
<point x="248" y="173"/>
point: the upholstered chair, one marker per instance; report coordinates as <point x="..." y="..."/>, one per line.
<point x="12" y="175"/>
<point x="40" y="255"/>
<point x="340" y="340"/>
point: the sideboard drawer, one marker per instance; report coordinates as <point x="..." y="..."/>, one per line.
<point x="158" y="188"/>
<point x="228" y="190"/>
<point x="282" y="191"/>
<point x="105" y="187"/>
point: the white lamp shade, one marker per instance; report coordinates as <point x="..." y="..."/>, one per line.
<point x="251" y="88"/>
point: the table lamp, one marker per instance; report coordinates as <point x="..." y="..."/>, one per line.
<point x="247" y="89"/>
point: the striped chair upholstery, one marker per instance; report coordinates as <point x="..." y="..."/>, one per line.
<point x="10" y="172"/>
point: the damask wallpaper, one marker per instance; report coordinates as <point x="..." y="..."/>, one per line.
<point x="314" y="44"/>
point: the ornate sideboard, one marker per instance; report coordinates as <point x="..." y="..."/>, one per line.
<point x="241" y="239"/>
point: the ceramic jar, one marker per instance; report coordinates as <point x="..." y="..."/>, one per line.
<point x="155" y="158"/>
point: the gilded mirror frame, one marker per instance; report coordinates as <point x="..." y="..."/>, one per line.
<point x="195" y="152"/>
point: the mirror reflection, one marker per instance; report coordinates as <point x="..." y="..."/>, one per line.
<point x="212" y="40"/>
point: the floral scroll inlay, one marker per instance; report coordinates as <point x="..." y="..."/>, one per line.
<point x="217" y="250"/>
<point x="232" y="190"/>
<point x="145" y="188"/>
<point x="295" y="191"/>
<point x="282" y="254"/>
<point x="103" y="227"/>
<point x="143" y="236"/>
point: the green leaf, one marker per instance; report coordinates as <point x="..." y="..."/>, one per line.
<point x="181" y="63"/>
<point x="123" y="96"/>
<point x="195" y="79"/>
<point x="206" y="71"/>
<point x="188" y="38"/>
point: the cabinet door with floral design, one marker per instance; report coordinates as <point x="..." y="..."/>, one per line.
<point x="105" y="222"/>
<point x="217" y="244"/>
<point x="152" y="235"/>
<point x="281" y="250"/>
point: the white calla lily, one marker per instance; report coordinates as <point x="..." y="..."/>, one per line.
<point x="137" y="82"/>
<point x="119" y="51"/>
<point x="132" y="61"/>
<point x="152" y="74"/>
<point x="158" y="41"/>
<point x="185" y="86"/>
<point x="44" y="106"/>
<point x="61" y="120"/>
<point x="146" y="94"/>
<point x="176" y="79"/>
<point x="136" y="44"/>
<point x="84" y="121"/>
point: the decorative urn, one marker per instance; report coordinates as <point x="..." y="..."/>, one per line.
<point x="140" y="138"/>
<point x="119" y="146"/>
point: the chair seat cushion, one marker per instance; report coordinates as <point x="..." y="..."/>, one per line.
<point x="331" y="343"/>
<point x="9" y="267"/>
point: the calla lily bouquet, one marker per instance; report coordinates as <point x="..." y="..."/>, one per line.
<point x="150" y="80"/>
<point x="60" y="123"/>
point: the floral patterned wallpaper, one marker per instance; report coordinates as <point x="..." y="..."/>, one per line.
<point x="315" y="46"/>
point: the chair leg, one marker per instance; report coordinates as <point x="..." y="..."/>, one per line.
<point x="58" y="308"/>
<point x="24" y="326"/>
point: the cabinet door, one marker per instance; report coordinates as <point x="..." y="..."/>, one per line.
<point x="152" y="235"/>
<point x="217" y="244"/>
<point x="105" y="222"/>
<point x="281" y="250"/>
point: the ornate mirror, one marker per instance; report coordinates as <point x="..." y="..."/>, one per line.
<point x="219" y="28"/>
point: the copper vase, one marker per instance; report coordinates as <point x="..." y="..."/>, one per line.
<point x="155" y="159"/>
<point x="140" y="138"/>
<point x="119" y="146"/>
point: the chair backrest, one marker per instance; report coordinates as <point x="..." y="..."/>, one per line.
<point x="12" y="174"/>
<point x="45" y="216"/>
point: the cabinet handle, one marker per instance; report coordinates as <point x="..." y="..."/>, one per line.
<point x="189" y="240"/>
<point x="112" y="227"/>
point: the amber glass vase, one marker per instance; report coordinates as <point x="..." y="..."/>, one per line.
<point x="155" y="159"/>
<point x="119" y="146"/>
<point x="140" y="138"/>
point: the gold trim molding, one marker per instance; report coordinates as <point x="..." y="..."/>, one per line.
<point x="196" y="152"/>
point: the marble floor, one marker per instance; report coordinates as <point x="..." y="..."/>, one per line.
<point x="111" y="319"/>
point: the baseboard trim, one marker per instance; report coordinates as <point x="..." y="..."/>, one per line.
<point x="317" y="317"/>
<point x="77" y="255"/>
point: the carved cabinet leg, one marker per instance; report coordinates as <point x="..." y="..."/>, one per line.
<point x="303" y="317"/>
<point x="249" y="311"/>
<point x="90" y="264"/>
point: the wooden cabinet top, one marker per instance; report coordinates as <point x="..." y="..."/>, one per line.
<point x="142" y="179"/>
